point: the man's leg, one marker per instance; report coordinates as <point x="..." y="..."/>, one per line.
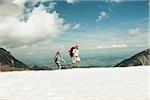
<point x="58" y="65"/>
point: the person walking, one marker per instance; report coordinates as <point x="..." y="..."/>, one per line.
<point x="74" y="54"/>
<point x="58" y="58"/>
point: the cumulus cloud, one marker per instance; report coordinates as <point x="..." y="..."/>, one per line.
<point x="134" y="31"/>
<point x="41" y="26"/>
<point x="29" y="5"/>
<point x="8" y="8"/>
<point x="76" y="26"/>
<point x="102" y="16"/>
<point x="19" y="2"/>
<point x="71" y="1"/>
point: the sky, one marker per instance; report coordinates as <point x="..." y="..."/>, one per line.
<point x="39" y="28"/>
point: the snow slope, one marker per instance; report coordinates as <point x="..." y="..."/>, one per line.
<point x="130" y="83"/>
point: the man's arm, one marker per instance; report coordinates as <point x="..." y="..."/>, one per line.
<point x="63" y="59"/>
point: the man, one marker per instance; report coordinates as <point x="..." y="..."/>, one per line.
<point x="58" y="58"/>
<point x="75" y="56"/>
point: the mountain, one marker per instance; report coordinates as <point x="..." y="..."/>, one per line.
<point x="140" y="59"/>
<point x="7" y="61"/>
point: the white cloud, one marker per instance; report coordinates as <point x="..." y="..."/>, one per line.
<point x="8" y="8"/>
<point x="52" y="5"/>
<point x="76" y="26"/>
<point x="41" y="26"/>
<point x="134" y="31"/>
<point x="72" y="1"/>
<point x="109" y="46"/>
<point x="19" y="2"/>
<point x="101" y="16"/>
<point x="116" y="1"/>
<point x="112" y="46"/>
<point x="113" y="1"/>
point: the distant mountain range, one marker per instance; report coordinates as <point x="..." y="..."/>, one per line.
<point x="140" y="59"/>
<point x="8" y="62"/>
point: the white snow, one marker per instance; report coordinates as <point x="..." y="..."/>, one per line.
<point x="130" y="83"/>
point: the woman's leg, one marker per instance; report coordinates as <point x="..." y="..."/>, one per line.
<point x="78" y="61"/>
<point x="78" y="64"/>
<point x="73" y="61"/>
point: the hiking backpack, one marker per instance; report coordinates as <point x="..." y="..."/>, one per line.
<point x="71" y="51"/>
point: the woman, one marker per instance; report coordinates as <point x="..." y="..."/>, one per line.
<point x="75" y="56"/>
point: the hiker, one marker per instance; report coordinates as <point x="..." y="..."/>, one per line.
<point x="58" y="58"/>
<point x="74" y="54"/>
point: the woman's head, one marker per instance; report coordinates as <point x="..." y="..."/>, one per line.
<point x="77" y="47"/>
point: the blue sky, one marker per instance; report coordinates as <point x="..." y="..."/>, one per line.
<point x="120" y="18"/>
<point x="32" y="28"/>
<point x="88" y="11"/>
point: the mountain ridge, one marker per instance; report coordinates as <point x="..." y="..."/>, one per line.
<point x="139" y="59"/>
<point x="7" y="60"/>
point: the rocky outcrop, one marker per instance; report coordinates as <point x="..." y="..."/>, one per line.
<point x="140" y="59"/>
<point x="7" y="60"/>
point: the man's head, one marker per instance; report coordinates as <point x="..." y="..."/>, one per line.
<point x="57" y="52"/>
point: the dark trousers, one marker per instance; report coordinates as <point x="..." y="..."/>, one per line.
<point x="59" y="65"/>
